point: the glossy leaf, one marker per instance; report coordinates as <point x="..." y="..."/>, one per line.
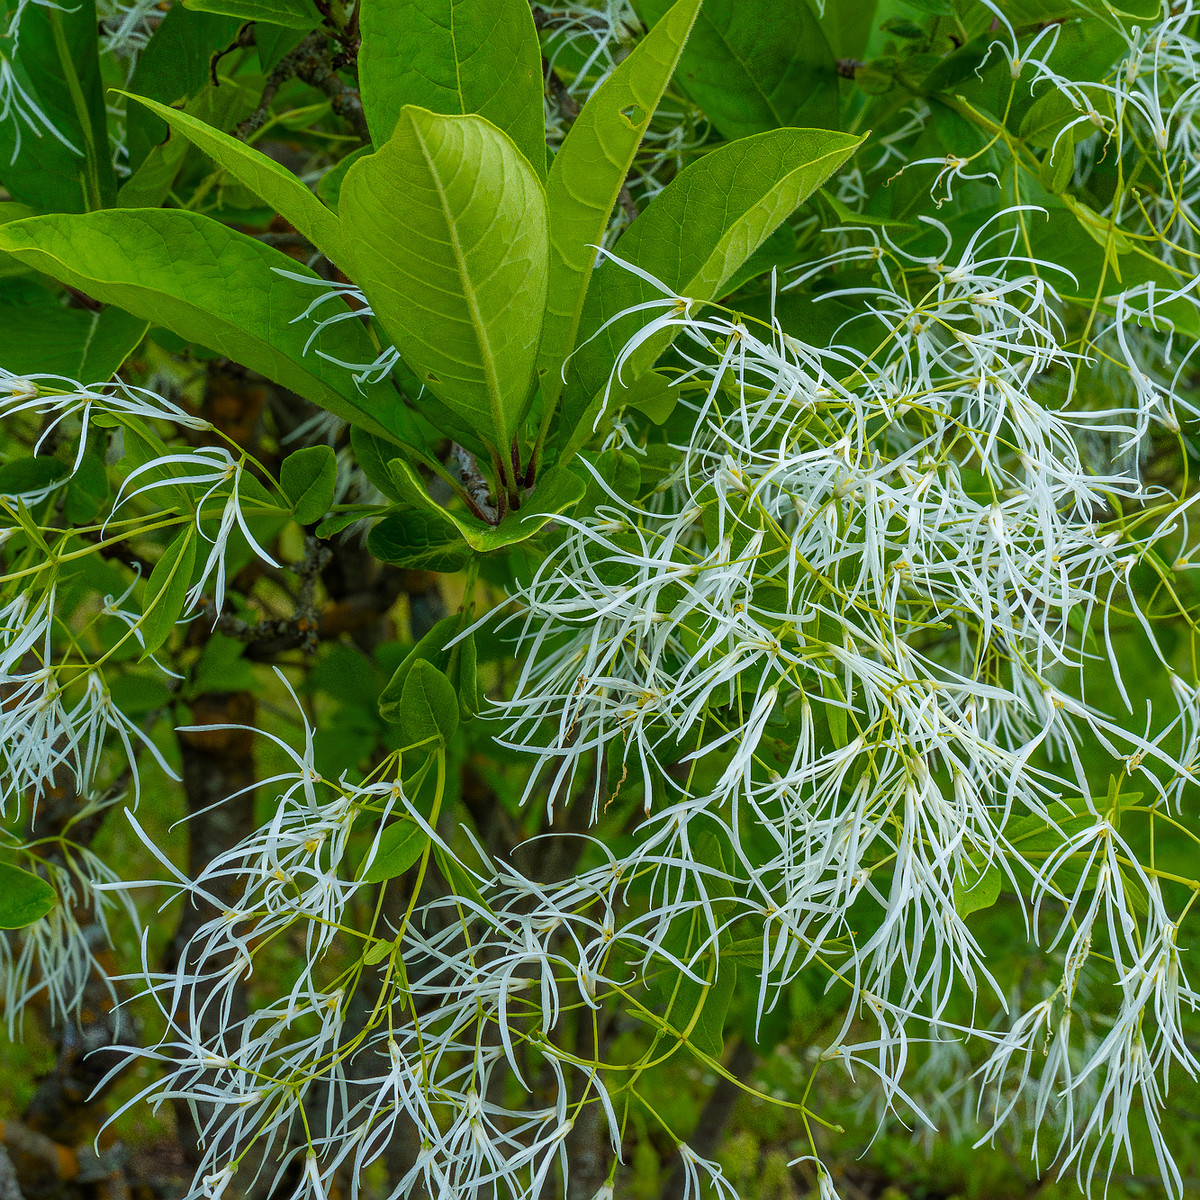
<point x="295" y="14"/>
<point x="272" y="183"/>
<point x="309" y="477"/>
<point x="211" y="285"/>
<point x="24" y="897"/>
<point x="587" y="174"/>
<point x="446" y="233"/>
<point x="693" y="237"/>
<point x="166" y="590"/>
<point x="755" y="65"/>
<point x="454" y="57"/>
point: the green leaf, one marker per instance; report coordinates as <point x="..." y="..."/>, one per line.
<point x="1058" y="166"/>
<point x="343" y="520"/>
<point x="461" y="881"/>
<point x="88" y="490"/>
<point x="1046" y="118"/>
<point x="621" y="474"/>
<point x="557" y="490"/>
<point x="58" y="70"/>
<point x="274" y="41"/>
<point x="400" y="845"/>
<point x="428" y="706"/>
<point x="755" y="65"/>
<point x="978" y="889"/>
<point x="373" y="455"/>
<point x="653" y="394"/>
<point x="587" y="174"/>
<point x="273" y="184"/>
<point x="693" y="237"/>
<point x="295" y="14"/>
<point x="166" y="590"/>
<point x="329" y="186"/>
<point x="848" y="27"/>
<point x="433" y="649"/>
<point x="20" y="476"/>
<point x="137" y="694"/>
<point x="835" y="711"/>
<point x="377" y="951"/>
<point x="420" y="540"/>
<point x="211" y="285"/>
<point x="24" y="897"/>
<point x="222" y="668"/>
<point x="470" y="694"/>
<point x="454" y="57"/>
<point x="174" y="66"/>
<point x="446" y="231"/>
<point x="218" y="107"/>
<point x="308" y="477"/>
<point x="72" y="342"/>
<point x="11" y="211"/>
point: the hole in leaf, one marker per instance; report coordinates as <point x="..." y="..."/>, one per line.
<point x="634" y="114"/>
<point x="432" y="377"/>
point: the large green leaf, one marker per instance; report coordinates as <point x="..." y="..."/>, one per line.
<point x="693" y="237"/>
<point x="272" y="183"/>
<point x="445" y="226"/>
<point x="754" y="65"/>
<point x="454" y="57"/>
<point x="174" y="66"/>
<point x="210" y="285"/>
<point x="588" y="171"/>
<point x="295" y="14"/>
<point x="72" y="342"/>
<point x="57" y="67"/>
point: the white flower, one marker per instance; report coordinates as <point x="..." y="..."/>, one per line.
<point x="216" y="467"/>
<point x="54" y="399"/>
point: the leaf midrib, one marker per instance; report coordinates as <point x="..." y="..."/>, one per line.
<point x="487" y="359"/>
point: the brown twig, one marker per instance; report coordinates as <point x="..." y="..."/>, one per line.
<point x="316" y="62"/>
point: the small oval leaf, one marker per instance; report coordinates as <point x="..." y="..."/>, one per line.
<point x="166" y="591"/>
<point x="24" y="897"/>
<point x="309" y="477"/>
<point x="428" y="705"/>
<point x="400" y="845"/>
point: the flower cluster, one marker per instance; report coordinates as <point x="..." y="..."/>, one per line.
<point x="849" y="637"/>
